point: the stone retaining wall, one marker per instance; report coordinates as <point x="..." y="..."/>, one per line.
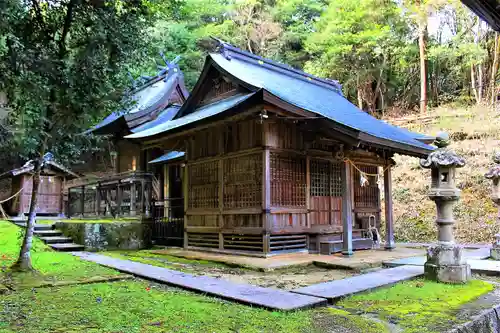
<point x="486" y="322"/>
<point x="107" y="236"/>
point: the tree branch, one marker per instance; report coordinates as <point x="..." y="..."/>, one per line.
<point x="67" y="25"/>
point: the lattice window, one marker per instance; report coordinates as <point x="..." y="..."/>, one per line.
<point x="288" y="180"/>
<point x="203" y="185"/>
<point x="325" y="178"/>
<point x="243" y="181"/>
<point x="367" y="196"/>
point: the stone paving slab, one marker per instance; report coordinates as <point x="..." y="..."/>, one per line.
<point x="334" y="290"/>
<point x="478" y="254"/>
<point x="243" y="293"/>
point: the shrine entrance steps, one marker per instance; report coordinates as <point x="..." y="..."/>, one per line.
<point x="53" y="237"/>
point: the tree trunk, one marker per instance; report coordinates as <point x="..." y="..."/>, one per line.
<point x="24" y="261"/>
<point x="494" y="70"/>
<point x="479" y="82"/>
<point x="473" y="83"/>
<point x="360" y="96"/>
<point x="423" y="68"/>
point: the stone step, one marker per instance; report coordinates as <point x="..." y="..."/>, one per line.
<point x="67" y="247"/>
<point x="37" y="226"/>
<point x="48" y="233"/>
<point x="56" y="239"/>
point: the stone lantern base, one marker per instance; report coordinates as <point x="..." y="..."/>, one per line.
<point x="495" y="250"/>
<point x="445" y="263"/>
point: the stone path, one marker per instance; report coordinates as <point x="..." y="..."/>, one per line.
<point x="244" y="293"/>
<point x="471" y="255"/>
<point x="342" y="288"/>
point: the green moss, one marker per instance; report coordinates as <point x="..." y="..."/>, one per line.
<point x="52" y="266"/>
<point x="419" y="305"/>
<point x="333" y="317"/>
<point x="138" y="307"/>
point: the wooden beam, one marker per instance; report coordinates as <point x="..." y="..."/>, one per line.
<point x="347" y="214"/>
<point x="119" y="197"/>
<point x="97" y="200"/>
<point x="221" y="200"/>
<point x="185" y="193"/>
<point x="389" y="224"/>
<point x="308" y="190"/>
<point x="133" y="192"/>
<point x="82" y="201"/>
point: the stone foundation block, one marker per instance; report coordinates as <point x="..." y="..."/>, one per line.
<point x="447" y="274"/>
<point x="495" y="253"/>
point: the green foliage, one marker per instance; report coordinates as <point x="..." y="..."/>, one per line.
<point x="419" y="305"/>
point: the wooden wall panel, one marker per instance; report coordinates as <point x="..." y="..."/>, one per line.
<point x="288" y="221"/>
<point x="202" y="220"/>
<point x="242" y="221"/>
<point x="284" y="135"/>
<point x="242" y="135"/>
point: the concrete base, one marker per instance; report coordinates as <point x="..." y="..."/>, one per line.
<point x="445" y="263"/>
<point x="495" y="253"/>
<point x="447" y="274"/>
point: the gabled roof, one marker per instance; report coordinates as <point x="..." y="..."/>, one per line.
<point x="152" y="100"/>
<point x="49" y="163"/>
<point x="487" y="10"/>
<point x="295" y="89"/>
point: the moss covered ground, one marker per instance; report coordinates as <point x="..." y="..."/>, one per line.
<point x="418" y="306"/>
<point x="131" y="306"/>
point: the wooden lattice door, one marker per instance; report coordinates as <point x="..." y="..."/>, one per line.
<point x="325" y="193"/>
<point x="49" y="195"/>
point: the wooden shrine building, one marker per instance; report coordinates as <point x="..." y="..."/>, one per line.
<point x="130" y="187"/>
<point x="277" y="160"/>
<point x="50" y="192"/>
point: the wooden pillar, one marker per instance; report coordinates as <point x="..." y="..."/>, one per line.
<point x="82" y="201"/>
<point x="143" y="194"/>
<point x="98" y="199"/>
<point x="308" y="190"/>
<point x="166" y="191"/>
<point x="347" y="209"/>
<point x="148" y="193"/>
<point x="389" y="223"/>
<point x="119" y="198"/>
<point x="185" y="190"/>
<point x="221" y="201"/>
<point x="133" y="193"/>
<point x="266" y="200"/>
<point x="68" y="205"/>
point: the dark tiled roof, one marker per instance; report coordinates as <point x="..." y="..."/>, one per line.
<point x="49" y="163"/>
<point x="200" y="113"/>
<point x="309" y="93"/>
<point x="148" y="102"/>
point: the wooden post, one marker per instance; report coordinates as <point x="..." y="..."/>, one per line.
<point x="266" y="200"/>
<point x="148" y="193"/>
<point x="166" y="191"/>
<point x="97" y="199"/>
<point x="143" y="194"/>
<point x="389" y="223"/>
<point x="82" y="201"/>
<point x="119" y="198"/>
<point x="133" y="193"/>
<point x="186" y="200"/>
<point x="308" y="190"/>
<point x="221" y="201"/>
<point x="68" y="206"/>
<point x="347" y="209"/>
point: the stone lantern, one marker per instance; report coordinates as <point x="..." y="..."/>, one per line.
<point x="445" y="262"/>
<point x="494" y="175"/>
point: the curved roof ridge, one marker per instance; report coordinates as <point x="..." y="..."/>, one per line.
<point x="229" y="51"/>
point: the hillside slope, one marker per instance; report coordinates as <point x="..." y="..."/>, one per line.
<point x="475" y="134"/>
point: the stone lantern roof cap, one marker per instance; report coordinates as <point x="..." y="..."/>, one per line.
<point x="442" y="157"/>
<point x="494" y="172"/>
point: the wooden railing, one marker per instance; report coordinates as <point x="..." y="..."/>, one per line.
<point x="125" y="194"/>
